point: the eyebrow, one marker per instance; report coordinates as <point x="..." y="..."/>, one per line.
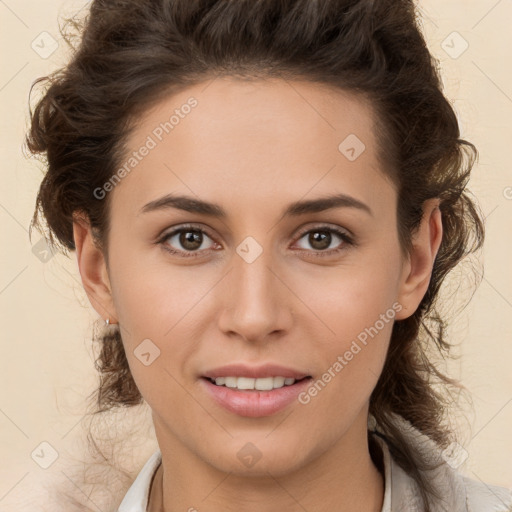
<point x="189" y="204"/>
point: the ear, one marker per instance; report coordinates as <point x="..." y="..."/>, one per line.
<point x="417" y="270"/>
<point x="93" y="268"/>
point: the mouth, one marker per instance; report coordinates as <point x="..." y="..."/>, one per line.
<point x="241" y="396"/>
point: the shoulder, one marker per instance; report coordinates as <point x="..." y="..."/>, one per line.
<point x="483" y="497"/>
<point x="454" y="491"/>
<point x="463" y="493"/>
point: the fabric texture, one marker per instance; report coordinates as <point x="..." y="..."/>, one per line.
<point x="458" y="492"/>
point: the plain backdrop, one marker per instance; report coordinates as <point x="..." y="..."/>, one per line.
<point x="46" y="363"/>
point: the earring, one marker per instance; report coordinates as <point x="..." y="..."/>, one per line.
<point x="107" y="321"/>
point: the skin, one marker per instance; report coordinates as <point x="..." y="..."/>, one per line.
<point x="253" y="148"/>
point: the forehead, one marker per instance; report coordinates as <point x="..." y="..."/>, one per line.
<point x="252" y="136"/>
<point x="258" y="108"/>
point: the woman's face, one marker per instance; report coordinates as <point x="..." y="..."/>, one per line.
<point x="314" y="290"/>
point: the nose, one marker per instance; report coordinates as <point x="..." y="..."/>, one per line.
<point x="257" y="301"/>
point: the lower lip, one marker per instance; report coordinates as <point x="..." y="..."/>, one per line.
<point x="253" y="403"/>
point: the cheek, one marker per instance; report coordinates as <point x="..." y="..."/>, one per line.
<point x="148" y="294"/>
<point x="356" y="305"/>
<point x="359" y="313"/>
<point x="351" y="298"/>
<point x="159" y="302"/>
<point x="154" y="308"/>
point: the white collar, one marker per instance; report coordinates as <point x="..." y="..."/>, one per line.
<point x="137" y="497"/>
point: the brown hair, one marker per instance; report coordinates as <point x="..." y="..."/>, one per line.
<point x="132" y="53"/>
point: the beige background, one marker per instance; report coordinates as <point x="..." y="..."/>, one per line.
<point x="46" y="360"/>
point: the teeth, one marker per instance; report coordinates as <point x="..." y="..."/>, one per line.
<point x="262" y="384"/>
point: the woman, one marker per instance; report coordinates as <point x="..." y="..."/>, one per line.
<point x="265" y="198"/>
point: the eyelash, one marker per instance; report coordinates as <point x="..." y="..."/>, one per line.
<point x="347" y="240"/>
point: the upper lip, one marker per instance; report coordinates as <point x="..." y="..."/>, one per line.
<point x="244" y="370"/>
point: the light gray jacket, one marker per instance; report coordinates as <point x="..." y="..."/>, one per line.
<point x="459" y="493"/>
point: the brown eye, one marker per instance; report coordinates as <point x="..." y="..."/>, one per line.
<point x="191" y="240"/>
<point x="321" y="238"/>
<point x="186" y="241"/>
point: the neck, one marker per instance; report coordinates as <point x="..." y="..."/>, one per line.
<point x="343" y="478"/>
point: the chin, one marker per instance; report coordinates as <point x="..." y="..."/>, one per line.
<point x="259" y="459"/>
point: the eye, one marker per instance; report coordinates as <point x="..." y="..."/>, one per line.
<point x="187" y="241"/>
<point x="321" y="238"/>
